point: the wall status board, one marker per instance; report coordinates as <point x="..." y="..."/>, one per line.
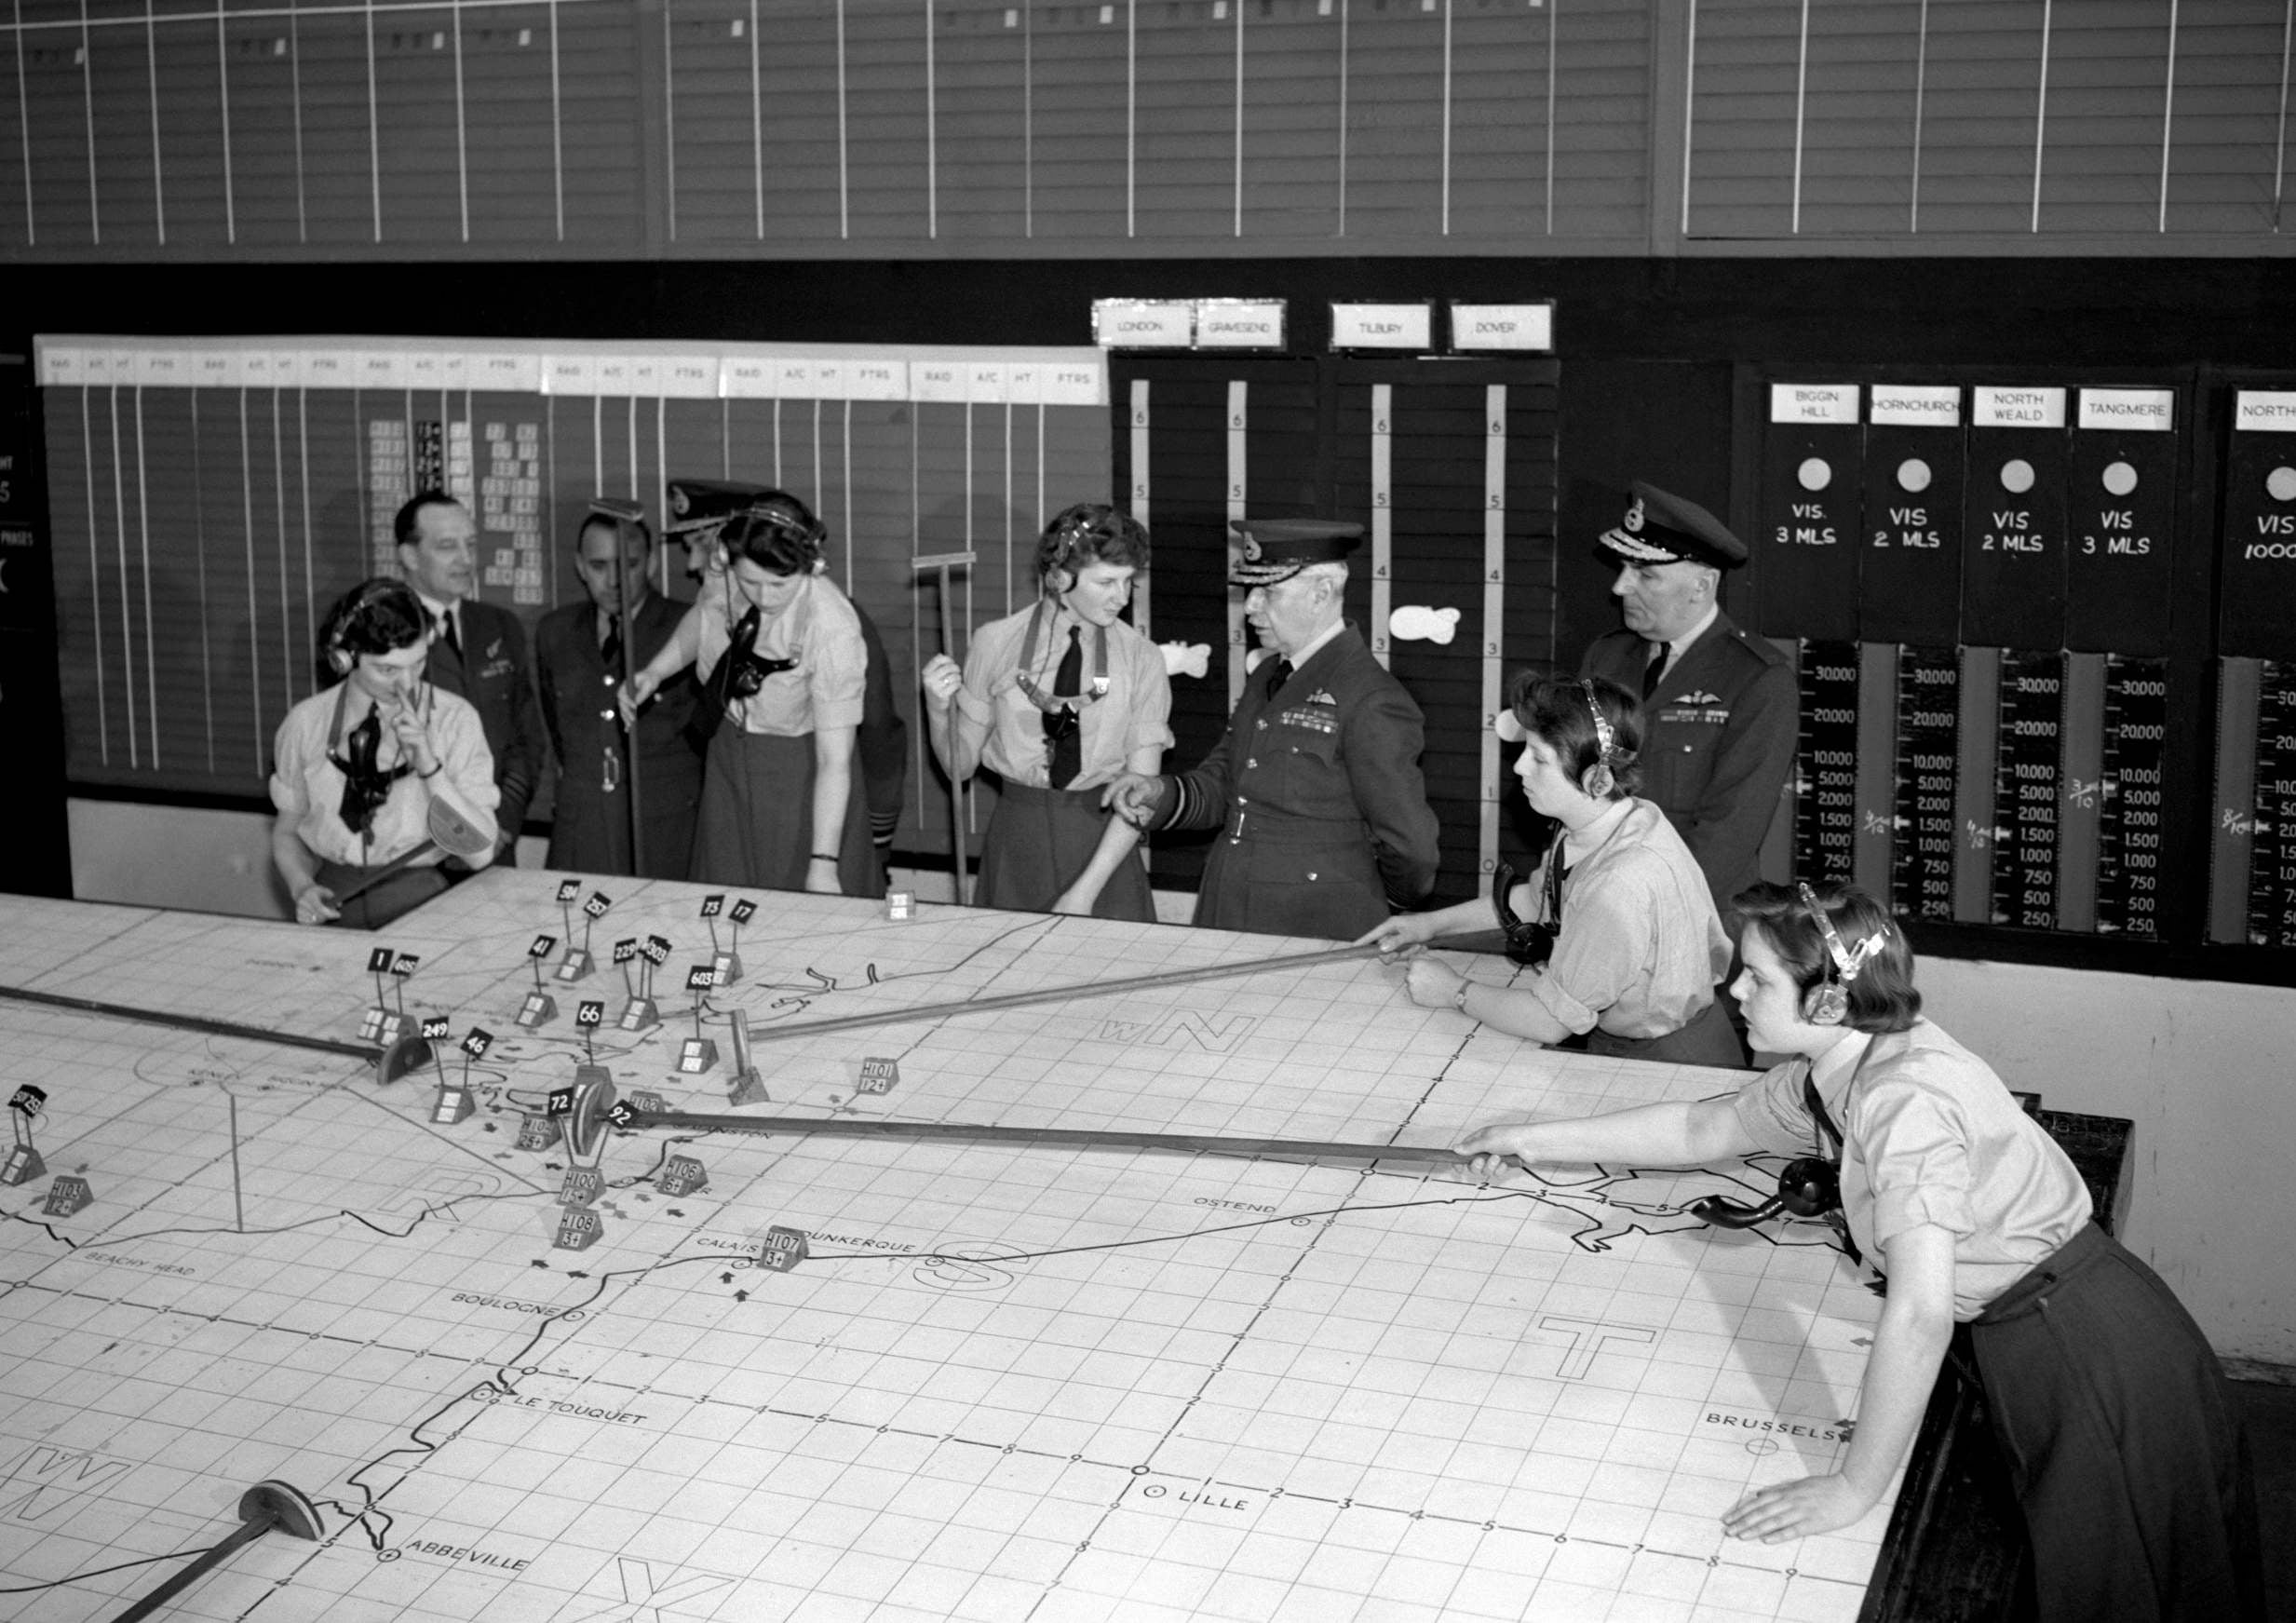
<point x="1990" y="595"/>
<point x="208" y="498"/>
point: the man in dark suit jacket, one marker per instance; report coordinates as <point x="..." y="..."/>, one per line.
<point x="1720" y="708"/>
<point x="582" y="652"/>
<point x="1316" y="786"/>
<point x="477" y="651"/>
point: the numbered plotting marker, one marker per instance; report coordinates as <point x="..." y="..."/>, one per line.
<point x="783" y="1249"/>
<point x="578" y="1230"/>
<point x="638" y="1014"/>
<point x="67" y="1195"/>
<point x="650" y="1103"/>
<point x="435" y="1029"/>
<point x="28" y="1099"/>
<point x="541" y="949"/>
<point x="597" y="904"/>
<point x="900" y="906"/>
<point x="726" y="967"/>
<point x="568" y="889"/>
<point x="657" y="950"/>
<point x="453" y="1104"/>
<point x="22" y="1165"/>
<point x="539" y="1009"/>
<point x="625" y="949"/>
<point x="681" y="1175"/>
<point x="538" y="1132"/>
<point x="697" y="1055"/>
<point x="557" y="1101"/>
<point x="590" y="1011"/>
<point x="382" y="1027"/>
<point x="477" y="1042"/>
<point x="576" y="963"/>
<point x="878" y="1075"/>
<point x="743" y="911"/>
<point x="379" y="961"/>
<point x="713" y="905"/>
<point x="583" y="1187"/>
<point x="405" y="964"/>
<point x="701" y="976"/>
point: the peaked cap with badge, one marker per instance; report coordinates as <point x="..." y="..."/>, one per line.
<point x="707" y="504"/>
<point x="1662" y="528"/>
<point x="1276" y="549"/>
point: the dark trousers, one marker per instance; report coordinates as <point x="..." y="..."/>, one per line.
<point x="2131" y="1468"/>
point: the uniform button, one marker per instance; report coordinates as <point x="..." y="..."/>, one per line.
<point x="1311" y="877"/>
<point x="1262" y="725"/>
<point x="1685" y="748"/>
<point x="1242" y="801"/>
<point x="1249" y="764"/>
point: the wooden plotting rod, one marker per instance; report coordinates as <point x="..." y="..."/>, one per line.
<point x="190" y="1023"/>
<point x="805" y="1028"/>
<point x="1054" y="1137"/>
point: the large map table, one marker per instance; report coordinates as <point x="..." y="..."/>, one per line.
<point x="1009" y="1381"/>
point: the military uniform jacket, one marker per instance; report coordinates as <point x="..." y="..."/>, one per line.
<point x="589" y="826"/>
<point x="1322" y="813"/>
<point x="1718" y="740"/>
<point x="490" y="673"/>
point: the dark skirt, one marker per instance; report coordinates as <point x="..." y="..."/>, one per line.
<point x="1707" y="1040"/>
<point x="2112" y="1415"/>
<point x="1039" y="841"/>
<point x="755" y="827"/>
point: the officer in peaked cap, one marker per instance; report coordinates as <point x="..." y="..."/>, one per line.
<point x="1316" y="786"/>
<point x="1718" y="706"/>
<point x="697" y="510"/>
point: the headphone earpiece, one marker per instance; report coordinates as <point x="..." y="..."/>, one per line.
<point x="1826" y="1003"/>
<point x="339" y="660"/>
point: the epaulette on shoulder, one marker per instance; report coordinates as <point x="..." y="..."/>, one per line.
<point x="1761" y="648"/>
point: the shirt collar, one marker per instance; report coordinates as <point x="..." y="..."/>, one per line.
<point x="1832" y="1066"/>
<point x="1304" y="654"/>
<point x="1680" y="644"/>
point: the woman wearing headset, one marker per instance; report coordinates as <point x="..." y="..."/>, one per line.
<point x="785" y="673"/>
<point x="357" y="766"/>
<point x="2105" y="1397"/>
<point x="1622" y="927"/>
<point x="1059" y="701"/>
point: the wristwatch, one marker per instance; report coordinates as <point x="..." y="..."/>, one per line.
<point x="1458" y="998"/>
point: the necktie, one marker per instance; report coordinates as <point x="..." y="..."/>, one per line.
<point x="447" y="633"/>
<point x="1064" y="727"/>
<point x="610" y="651"/>
<point x="1278" y="674"/>
<point x="1655" y="668"/>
